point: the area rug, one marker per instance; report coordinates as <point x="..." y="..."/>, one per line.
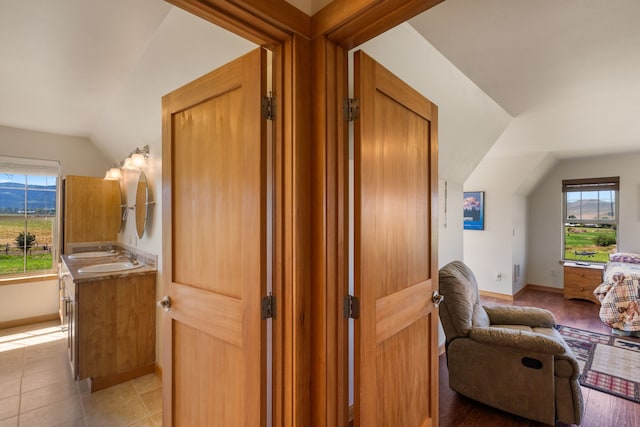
<point x="608" y="363"/>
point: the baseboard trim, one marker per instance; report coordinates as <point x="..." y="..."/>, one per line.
<point x="496" y="295"/>
<point x="100" y="383"/>
<point x="517" y="294"/>
<point x="29" y="320"/>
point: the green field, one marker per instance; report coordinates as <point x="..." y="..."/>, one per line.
<point x="12" y="258"/>
<point x="582" y="239"/>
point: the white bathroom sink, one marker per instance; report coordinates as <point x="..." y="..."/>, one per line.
<point x="109" y="267"/>
<point x="94" y="254"/>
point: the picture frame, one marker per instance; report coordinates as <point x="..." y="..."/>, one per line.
<point x="473" y="210"/>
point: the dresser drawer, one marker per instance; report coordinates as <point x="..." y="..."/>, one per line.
<point x="580" y="282"/>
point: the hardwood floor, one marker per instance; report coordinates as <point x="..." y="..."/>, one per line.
<point x="601" y="410"/>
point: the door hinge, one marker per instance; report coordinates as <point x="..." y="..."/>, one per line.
<point x="351" y="109"/>
<point x="351" y="307"/>
<point x="269" y="107"/>
<point x="269" y="307"/>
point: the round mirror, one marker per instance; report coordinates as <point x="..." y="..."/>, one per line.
<point x="142" y="199"/>
<point x="122" y="209"/>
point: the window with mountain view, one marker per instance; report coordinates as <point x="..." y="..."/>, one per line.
<point x="590" y="217"/>
<point x="28" y="200"/>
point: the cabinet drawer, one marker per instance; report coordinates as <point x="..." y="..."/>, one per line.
<point x="580" y="282"/>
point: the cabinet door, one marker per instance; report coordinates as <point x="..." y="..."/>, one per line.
<point x="91" y="210"/>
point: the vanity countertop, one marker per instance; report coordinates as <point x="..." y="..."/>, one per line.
<point x="73" y="265"/>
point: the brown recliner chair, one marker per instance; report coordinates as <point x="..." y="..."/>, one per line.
<point x="511" y="358"/>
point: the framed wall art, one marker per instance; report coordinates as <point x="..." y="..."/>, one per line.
<point x="473" y="210"/>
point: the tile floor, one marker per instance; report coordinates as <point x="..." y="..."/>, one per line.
<point x="36" y="389"/>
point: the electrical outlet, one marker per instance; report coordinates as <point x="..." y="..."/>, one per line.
<point x="498" y="276"/>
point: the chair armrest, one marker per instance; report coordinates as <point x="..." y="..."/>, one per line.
<point x="529" y="316"/>
<point x="521" y="340"/>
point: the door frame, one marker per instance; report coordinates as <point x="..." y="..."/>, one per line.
<point x="311" y="186"/>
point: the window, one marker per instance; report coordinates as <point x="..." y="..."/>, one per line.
<point x="590" y="218"/>
<point x="28" y="216"/>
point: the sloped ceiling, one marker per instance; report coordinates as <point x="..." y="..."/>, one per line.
<point x="567" y="71"/>
<point x="62" y="61"/>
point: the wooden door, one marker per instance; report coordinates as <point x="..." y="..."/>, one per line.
<point x="214" y="248"/>
<point x="396" y="337"/>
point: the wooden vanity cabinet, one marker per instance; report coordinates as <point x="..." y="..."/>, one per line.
<point x="113" y="329"/>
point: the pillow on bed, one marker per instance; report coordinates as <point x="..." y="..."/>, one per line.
<point x="625" y="257"/>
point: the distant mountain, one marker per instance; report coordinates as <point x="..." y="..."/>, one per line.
<point x="588" y="209"/>
<point x="39" y="197"/>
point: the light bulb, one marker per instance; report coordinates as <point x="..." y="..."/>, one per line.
<point x="138" y="160"/>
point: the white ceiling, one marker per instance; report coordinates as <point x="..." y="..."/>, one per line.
<point x="568" y="71"/>
<point x="61" y="62"/>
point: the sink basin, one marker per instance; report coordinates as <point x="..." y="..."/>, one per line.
<point x="109" y="267"/>
<point x="94" y="254"/>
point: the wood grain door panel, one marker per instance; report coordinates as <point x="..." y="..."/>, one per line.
<point x="215" y="258"/>
<point x="395" y="256"/>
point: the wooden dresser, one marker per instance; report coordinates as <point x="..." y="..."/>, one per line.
<point x="581" y="280"/>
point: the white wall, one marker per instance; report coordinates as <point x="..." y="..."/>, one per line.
<point x="468" y="120"/>
<point x="488" y="252"/>
<point x="506" y="182"/>
<point x="134" y="119"/>
<point x="450" y="219"/>
<point x="545" y="212"/>
<point x="28" y="300"/>
<point x="519" y="239"/>
<point x="77" y="156"/>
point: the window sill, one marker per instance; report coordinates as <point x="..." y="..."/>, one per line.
<point x="26" y="279"/>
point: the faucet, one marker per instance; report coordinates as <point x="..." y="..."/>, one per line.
<point x="129" y="256"/>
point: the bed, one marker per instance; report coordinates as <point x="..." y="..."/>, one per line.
<point x="619" y="294"/>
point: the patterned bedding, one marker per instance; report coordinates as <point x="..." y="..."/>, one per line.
<point x="619" y="296"/>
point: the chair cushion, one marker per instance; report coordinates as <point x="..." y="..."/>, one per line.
<point x="460" y="290"/>
<point x="480" y="317"/>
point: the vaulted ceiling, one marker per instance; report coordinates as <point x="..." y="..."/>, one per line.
<point x="566" y="71"/>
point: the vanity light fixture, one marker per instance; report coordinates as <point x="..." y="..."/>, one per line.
<point x="137" y="160"/>
<point x="128" y="165"/>
<point x="113" y="174"/>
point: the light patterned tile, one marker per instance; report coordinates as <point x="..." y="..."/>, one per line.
<point x="53" y="362"/>
<point x="52" y="375"/>
<point x="119" y="405"/>
<point x="9" y="407"/>
<point x="157" y="420"/>
<point x="153" y="401"/>
<point x="9" y="422"/>
<point x="67" y="412"/>
<point x="147" y="422"/>
<point x="46" y="350"/>
<point x="146" y="383"/>
<point x="9" y="387"/>
<point x="47" y="395"/>
<point x="11" y="361"/>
